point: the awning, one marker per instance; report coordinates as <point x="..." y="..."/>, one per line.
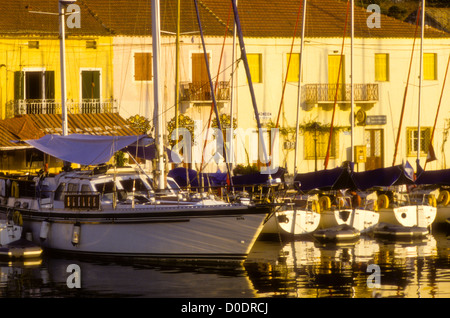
<point x="83" y="149"/>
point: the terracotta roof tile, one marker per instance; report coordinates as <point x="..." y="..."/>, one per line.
<point x="34" y="126"/>
<point x="259" y="18"/>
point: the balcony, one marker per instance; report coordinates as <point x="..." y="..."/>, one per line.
<point x="50" y="106"/>
<point x="326" y="93"/>
<point x="200" y="92"/>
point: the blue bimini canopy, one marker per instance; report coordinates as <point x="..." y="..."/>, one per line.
<point x="384" y="177"/>
<point x="82" y="149"/>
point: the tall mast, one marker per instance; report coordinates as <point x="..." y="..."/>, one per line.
<point x="299" y="96"/>
<point x="62" y="4"/>
<point x="156" y="29"/>
<point x="420" y="82"/>
<point x="177" y="68"/>
<point x="352" y="89"/>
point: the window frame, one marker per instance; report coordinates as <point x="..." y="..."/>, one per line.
<point x="146" y="79"/>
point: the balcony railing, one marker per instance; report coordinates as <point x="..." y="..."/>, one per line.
<point x="50" y="106"/>
<point x="200" y="91"/>
<point x="325" y="93"/>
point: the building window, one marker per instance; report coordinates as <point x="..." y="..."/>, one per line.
<point x="255" y="65"/>
<point x="316" y="144"/>
<point x="292" y="75"/>
<point x="33" y="44"/>
<point x="429" y="66"/>
<point x="425" y="136"/>
<point x="382" y="67"/>
<point x="91" y="44"/>
<point x="143" y="66"/>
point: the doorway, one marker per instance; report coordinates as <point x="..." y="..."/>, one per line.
<point x="373" y="139"/>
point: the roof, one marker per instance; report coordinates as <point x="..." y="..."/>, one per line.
<point x="438" y="18"/>
<point x="35" y="126"/>
<point x="259" y="18"/>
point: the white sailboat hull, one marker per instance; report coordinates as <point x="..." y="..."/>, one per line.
<point x="360" y="219"/>
<point x="411" y="215"/>
<point x="442" y="214"/>
<point x="202" y="232"/>
<point x="292" y="222"/>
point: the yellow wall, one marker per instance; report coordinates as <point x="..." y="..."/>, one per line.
<point x="15" y="55"/>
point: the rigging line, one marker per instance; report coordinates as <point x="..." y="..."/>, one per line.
<point x="215" y="89"/>
<point x="211" y="87"/>
<point x="438" y="108"/>
<point x="406" y="88"/>
<point x="288" y="65"/>
<point x="327" y="157"/>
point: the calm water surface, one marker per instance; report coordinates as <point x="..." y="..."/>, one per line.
<point x="295" y="269"/>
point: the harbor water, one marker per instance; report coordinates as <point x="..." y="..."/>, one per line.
<point x="303" y="268"/>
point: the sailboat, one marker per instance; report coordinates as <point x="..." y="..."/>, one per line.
<point x="298" y="213"/>
<point x="340" y="214"/>
<point x="92" y="213"/>
<point x="403" y="214"/>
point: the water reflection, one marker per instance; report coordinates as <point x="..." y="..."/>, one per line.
<point x="301" y="268"/>
<point x="308" y="269"/>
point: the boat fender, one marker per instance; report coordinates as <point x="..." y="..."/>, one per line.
<point x="15" y="189"/>
<point x="356" y="199"/>
<point x="316" y="206"/>
<point x="444" y="197"/>
<point x="2" y="187"/>
<point x="45" y="226"/>
<point x="432" y="200"/>
<point x="383" y="201"/>
<point x="76" y="232"/>
<point x="17" y="218"/>
<point x="324" y="203"/>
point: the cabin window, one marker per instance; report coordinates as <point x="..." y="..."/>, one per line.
<point x="59" y="193"/>
<point x="142" y="66"/>
<point x="72" y="188"/>
<point x="293" y="71"/>
<point x="430" y="66"/>
<point x="382" y="67"/>
<point x="316" y="144"/>
<point x="85" y="189"/>
<point x="425" y="138"/>
<point x="107" y="187"/>
<point x="138" y="184"/>
<point x="255" y="65"/>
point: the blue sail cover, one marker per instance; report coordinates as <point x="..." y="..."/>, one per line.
<point x="180" y="175"/>
<point x="384" y="177"/>
<point x="332" y="179"/>
<point x="82" y="149"/>
<point x="433" y="177"/>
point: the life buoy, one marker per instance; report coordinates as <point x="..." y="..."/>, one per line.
<point x="15" y="189"/>
<point x="324" y="203"/>
<point x="444" y="198"/>
<point x="17" y="218"/>
<point x="383" y="201"/>
<point x="432" y="200"/>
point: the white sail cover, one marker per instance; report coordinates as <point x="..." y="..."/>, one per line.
<point x="83" y="149"/>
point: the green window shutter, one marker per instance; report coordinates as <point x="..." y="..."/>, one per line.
<point x="49" y="84"/>
<point x="18" y="85"/>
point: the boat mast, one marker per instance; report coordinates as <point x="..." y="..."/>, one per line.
<point x="420" y="83"/>
<point x="352" y="89"/>
<point x="62" y="4"/>
<point x="156" y="29"/>
<point x="299" y="94"/>
<point x="250" y="84"/>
